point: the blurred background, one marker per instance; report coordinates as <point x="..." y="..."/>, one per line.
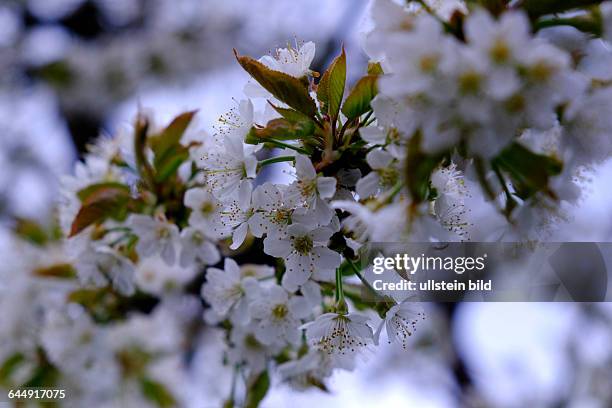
<point x="71" y="70"/>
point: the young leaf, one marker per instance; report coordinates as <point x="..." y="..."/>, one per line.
<point x="157" y="392"/>
<point x="258" y="388"/>
<point x="529" y="171"/>
<point x="172" y="134"/>
<point x="537" y="8"/>
<point x="169" y="153"/>
<point x="62" y="270"/>
<point x="358" y="101"/>
<point x="284" y="87"/>
<point x="291" y="115"/>
<point x="167" y="163"/>
<point x="281" y="129"/>
<point x="9" y="366"/>
<point x="103" y="203"/>
<point x="86" y="192"/>
<point x="374" y="68"/>
<point x="419" y="167"/>
<point x="331" y="86"/>
<point x="141" y="134"/>
<point x="31" y="231"/>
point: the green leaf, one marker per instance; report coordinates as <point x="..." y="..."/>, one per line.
<point x="285" y="88"/>
<point x="58" y="74"/>
<point x="419" y="167"/>
<point x="45" y="376"/>
<point x="141" y="134"/>
<point x="169" y="153"/>
<point x="86" y="192"/>
<point x="374" y="68"/>
<point x="281" y="129"/>
<point x="172" y="134"/>
<point x="358" y="101"/>
<point x="31" y="231"/>
<point x="157" y="392"/>
<point x="167" y="164"/>
<point x="529" y="172"/>
<point x="257" y="390"/>
<point x="9" y="366"/>
<point x="61" y="270"/>
<point x="100" y="204"/>
<point x="537" y="8"/>
<point x="331" y="86"/>
<point x="291" y="115"/>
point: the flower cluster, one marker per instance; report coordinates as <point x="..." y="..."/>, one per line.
<point x="169" y="231"/>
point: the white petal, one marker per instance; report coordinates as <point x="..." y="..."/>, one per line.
<point x="277" y="246"/>
<point x="292" y="279"/>
<point x="327" y="259"/>
<point x="373" y="135"/>
<point x="250" y="166"/>
<point x="326" y="186"/>
<point x="304" y="168"/>
<point x="239" y="235"/>
<point x="299" y="307"/>
<point x="379" y="159"/>
<point x="368" y="185"/>
<point x="231" y="268"/>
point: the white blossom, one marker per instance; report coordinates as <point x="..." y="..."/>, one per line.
<point x="400" y="322"/>
<point x="155" y="236"/>
<point x="306" y="254"/>
<point x="205" y="212"/>
<point x="339" y="334"/>
<point x="277" y="316"/>
<point x="272" y="211"/>
<point x="310" y="190"/>
<point x="229" y="166"/>
<point x="197" y="247"/>
<point x="225" y="290"/>
<point x="154" y="275"/>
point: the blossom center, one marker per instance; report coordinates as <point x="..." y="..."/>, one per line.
<point x="207" y="208"/>
<point x="540" y="72"/>
<point x="303" y="245"/>
<point x="280" y="311"/>
<point x="515" y="103"/>
<point x="307" y="188"/>
<point x="197" y="238"/>
<point x="428" y="63"/>
<point x="281" y="216"/>
<point x="500" y="52"/>
<point x="163" y="233"/>
<point x="469" y="82"/>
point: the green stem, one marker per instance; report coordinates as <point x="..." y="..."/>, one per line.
<point x="339" y="289"/>
<point x="276" y="160"/>
<point x="390" y="195"/>
<point x="537" y="8"/>
<point x="362" y="278"/>
<point x="142" y="164"/>
<point x="511" y="202"/>
<point x="364" y="122"/>
<point x="584" y="24"/>
<point x="288" y="146"/>
<point x="343" y="129"/>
